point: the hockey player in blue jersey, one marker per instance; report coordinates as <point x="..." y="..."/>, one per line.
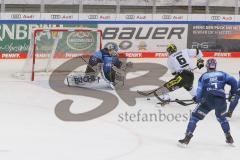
<point x="109" y="58"/>
<point x="233" y="101"/>
<point x="238" y="91"/>
<point x="105" y="61"/>
<point x="105" y="55"/>
<point x="211" y="96"/>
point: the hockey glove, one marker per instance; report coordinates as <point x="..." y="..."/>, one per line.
<point x="228" y="114"/>
<point x="238" y="92"/>
<point x="200" y="63"/>
<point x="195" y="99"/>
<point x="232" y="97"/>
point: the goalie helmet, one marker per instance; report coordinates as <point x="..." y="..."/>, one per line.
<point x="171" y="48"/>
<point x="211" y="64"/>
<point x="113" y="49"/>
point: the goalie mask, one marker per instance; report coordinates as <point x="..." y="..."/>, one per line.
<point x="171" y="48"/>
<point x="113" y="49"/>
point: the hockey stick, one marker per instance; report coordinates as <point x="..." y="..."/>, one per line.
<point x="181" y="102"/>
<point x="177" y="101"/>
<point x="83" y="60"/>
<point x="88" y="64"/>
<point x="147" y="93"/>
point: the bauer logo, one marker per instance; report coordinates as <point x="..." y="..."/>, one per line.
<point x="81" y="41"/>
<point x="127" y="33"/>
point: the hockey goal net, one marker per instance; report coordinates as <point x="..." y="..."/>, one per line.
<point x="51" y="47"/>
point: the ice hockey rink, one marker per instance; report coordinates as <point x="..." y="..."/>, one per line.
<point x="30" y="130"/>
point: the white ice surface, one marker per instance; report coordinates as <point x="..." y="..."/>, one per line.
<point x="29" y="129"/>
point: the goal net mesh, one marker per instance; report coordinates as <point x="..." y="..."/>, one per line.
<point x="51" y="47"/>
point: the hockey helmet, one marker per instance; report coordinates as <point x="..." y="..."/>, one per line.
<point x="112" y="46"/>
<point x="113" y="49"/>
<point x="211" y="64"/>
<point x="171" y="48"/>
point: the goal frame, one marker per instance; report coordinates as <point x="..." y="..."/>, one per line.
<point x="35" y="31"/>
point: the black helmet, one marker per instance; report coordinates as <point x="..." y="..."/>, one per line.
<point x="171" y="48"/>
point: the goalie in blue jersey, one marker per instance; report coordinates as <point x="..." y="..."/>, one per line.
<point x="108" y="57"/>
<point x="112" y="69"/>
<point x="106" y="62"/>
<point x="211" y="96"/>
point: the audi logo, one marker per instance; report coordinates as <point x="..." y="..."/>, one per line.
<point x="166" y="17"/>
<point x="130" y="17"/>
<point x="55" y="16"/>
<point x="16" y="16"/>
<point x="215" y="18"/>
<point x="93" y="17"/>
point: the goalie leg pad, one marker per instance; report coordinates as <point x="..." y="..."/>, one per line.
<point x="80" y="80"/>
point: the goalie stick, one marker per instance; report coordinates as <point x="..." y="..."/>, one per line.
<point x="88" y="64"/>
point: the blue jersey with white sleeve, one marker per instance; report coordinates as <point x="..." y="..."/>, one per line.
<point x="213" y="83"/>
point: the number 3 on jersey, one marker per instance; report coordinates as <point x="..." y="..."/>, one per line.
<point x="182" y="61"/>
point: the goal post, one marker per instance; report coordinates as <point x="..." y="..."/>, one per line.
<point x="51" y="47"/>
